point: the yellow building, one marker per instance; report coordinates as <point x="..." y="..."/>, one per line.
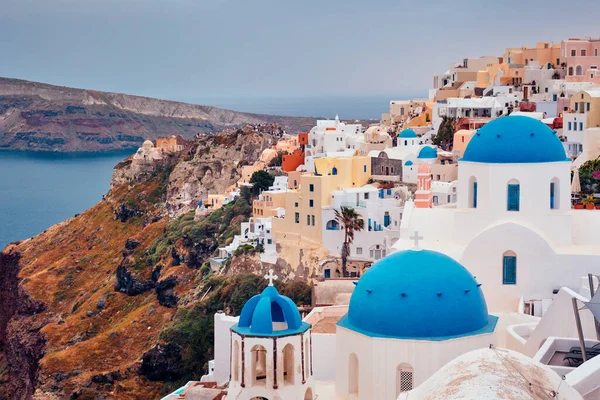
<point x="215" y="201"/>
<point x="461" y="141"/>
<point x="587" y="103"/>
<point x="268" y="205"/>
<point x="303" y="207"/>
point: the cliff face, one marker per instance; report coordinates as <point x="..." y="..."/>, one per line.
<point x="41" y="117"/>
<point x="117" y="302"/>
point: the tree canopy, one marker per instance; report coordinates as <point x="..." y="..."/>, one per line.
<point x="261" y="180"/>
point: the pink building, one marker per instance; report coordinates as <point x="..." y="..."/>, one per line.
<point x="582" y="57"/>
<point x="424" y="195"/>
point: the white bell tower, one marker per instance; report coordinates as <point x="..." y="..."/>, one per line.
<point x="271" y="350"/>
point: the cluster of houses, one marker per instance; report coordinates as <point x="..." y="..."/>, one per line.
<point x="475" y="276"/>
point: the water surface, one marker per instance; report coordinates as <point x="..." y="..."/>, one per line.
<point x="38" y="190"/>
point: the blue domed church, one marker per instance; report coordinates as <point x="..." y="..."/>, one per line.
<point x="410" y="314"/>
<point x="271" y="350"/>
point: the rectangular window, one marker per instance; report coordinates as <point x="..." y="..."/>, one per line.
<point x="359" y="250"/>
<point x="573" y="53"/>
<point x="595" y="52"/>
<point x="269" y="241"/>
<point x="365" y="168"/>
<point x="587" y="107"/>
<point x="581" y="126"/>
<point x="297" y="218"/>
<point x="583" y="52"/>
<point x="311" y="203"/>
<point x="575" y="126"/>
<point x="366" y="196"/>
<point x="308" y="220"/>
<point x="552" y="195"/>
<point x="576" y="106"/>
<point x="296" y="204"/>
<point x="313" y="220"/>
<point x="311" y="188"/>
<point x="509" y="276"/>
<point x="474" y="194"/>
<point x="513" y="197"/>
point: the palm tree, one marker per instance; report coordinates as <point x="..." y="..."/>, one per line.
<point x="351" y="222"/>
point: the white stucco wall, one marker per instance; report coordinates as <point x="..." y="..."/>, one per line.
<point x="379" y="358"/>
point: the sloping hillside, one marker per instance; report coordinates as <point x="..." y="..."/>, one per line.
<point x="118" y="302"/>
<point x="40" y="117"/>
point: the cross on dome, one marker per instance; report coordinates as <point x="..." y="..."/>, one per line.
<point x="416" y="238"/>
<point x="270" y="277"/>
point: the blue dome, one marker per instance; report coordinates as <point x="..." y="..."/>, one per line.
<point x="409" y="162"/>
<point x="515" y="139"/>
<point x="428" y="152"/>
<point x="418" y="295"/>
<point x="262" y="311"/>
<point x="407" y="133"/>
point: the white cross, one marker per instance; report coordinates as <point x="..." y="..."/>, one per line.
<point x="416" y="238"/>
<point x="271" y="277"/>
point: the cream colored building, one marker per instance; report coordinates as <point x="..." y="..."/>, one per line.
<point x="303" y="207"/>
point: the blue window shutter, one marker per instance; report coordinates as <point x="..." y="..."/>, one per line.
<point x="513" y="197"/>
<point x="389" y="192"/>
<point x="509" y="270"/>
<point x="386" y="220"/>
<point x="474" y="194"/>
<point x="552" y="195"/>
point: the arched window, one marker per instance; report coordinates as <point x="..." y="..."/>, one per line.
<point x="332" y="225"/>
<point x="353" y="375"/>
<point x="308" y="395"/>
<point x="236" y="362"/>
<point x="472" y="192"/>
<point x="570" y="71"/>
<point x="334" y="171"/>
<point x="509" y="268"/>
<point x="288" y="364"/>
<point x="259" y="365"/>
<point x="579" y="70"/>
<point x="404" y="378"/>
<point x="513" y="195"/>
<point x="554" y="194"/>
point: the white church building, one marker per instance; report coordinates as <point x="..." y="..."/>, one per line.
<point x="513" y="226"/>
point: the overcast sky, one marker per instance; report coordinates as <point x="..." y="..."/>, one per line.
<point x="185" y="49"/>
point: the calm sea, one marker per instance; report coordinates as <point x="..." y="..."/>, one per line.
<point x="38" y="190"/>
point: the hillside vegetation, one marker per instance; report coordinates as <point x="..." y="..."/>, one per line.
<point x="118" y="302"/>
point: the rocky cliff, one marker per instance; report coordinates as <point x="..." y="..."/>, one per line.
<point x="118" y="302"/>
<point x="40" y="117"/>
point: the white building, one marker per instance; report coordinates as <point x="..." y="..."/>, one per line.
<point x="381" y="211"/>
<point x="331" y="137"/>
<point x="444" y="192"/>
<point x="409" y="315"/>
<point x="485" y="107"/>
<point x="513" y="225"/>
<point x="271" y="350"/>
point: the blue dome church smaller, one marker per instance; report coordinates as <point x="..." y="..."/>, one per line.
<point x="270" y="350"/>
